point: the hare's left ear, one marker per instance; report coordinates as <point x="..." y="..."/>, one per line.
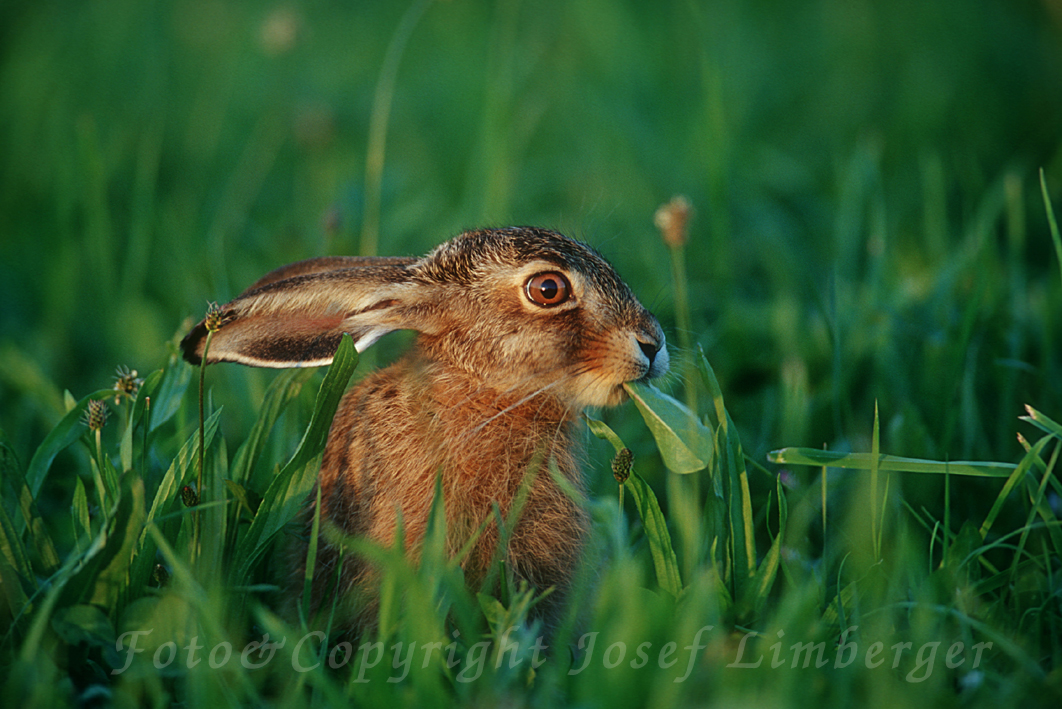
<point x="296" y="315"/>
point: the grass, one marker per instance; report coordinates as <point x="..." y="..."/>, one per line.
<point x="846" y="494"/>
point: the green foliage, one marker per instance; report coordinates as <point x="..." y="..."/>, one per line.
<point x="874" y="188"/>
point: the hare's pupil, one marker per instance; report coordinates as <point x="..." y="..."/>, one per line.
<point x="548" y="289"/>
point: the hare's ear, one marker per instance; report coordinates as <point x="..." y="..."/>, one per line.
<point x="295" y="316"/>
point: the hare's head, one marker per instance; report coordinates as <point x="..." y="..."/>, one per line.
<point x="521" y="310"/>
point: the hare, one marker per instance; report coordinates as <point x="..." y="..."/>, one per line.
<point x="519" y="330"/>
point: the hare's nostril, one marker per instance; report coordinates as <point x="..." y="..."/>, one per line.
<point x="649" y="349"/>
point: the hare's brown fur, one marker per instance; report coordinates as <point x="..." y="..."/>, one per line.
<point x="487" y="397"/>
<point x="426" y="425"/>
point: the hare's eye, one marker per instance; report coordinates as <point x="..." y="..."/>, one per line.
<point x="548" y="289"/>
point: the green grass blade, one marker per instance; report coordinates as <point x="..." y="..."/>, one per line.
<point x="891" y="463"/>
<point x="286" y="386"/>
<point x="875" y="461"/>
<point x="763" y="580"/>
<point x="661" y="549"/>
<point x="664" y="560"/>
<point x="311" y="557"/>
<point x="170" y="394"/>
<point x="739" y="503"/>
<point x="1017" y="475"/>
<point x="166" y="496"/>
<point x="101" y="577"/>
<point x="286" y="495"/>
<point x="1041" y="506"/>
<point x="16" y="568"/>
<point x="328" y="396"/>
<point x="731" y="485"/>
<point x="1055" y="237"/>
<point x="68" y="430"/>
<point x="684" y="442"/>
<point x="179" y="470"/>
<point x="21" y="513"/>
<point x="146" y="392"/>
<point x="1042" y="422"/>
<point x="602" y="431"/>
<point x="113" y="580"/>
<point x="81" y="511"/>
<point x="712" y="384"/>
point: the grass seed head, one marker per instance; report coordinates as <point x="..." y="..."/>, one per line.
<point x="621" y="465"/>
<point x="672" y="219"/>
<point x="95" y="415"/>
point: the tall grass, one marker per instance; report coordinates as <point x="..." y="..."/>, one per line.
<point x="846" y="494"/>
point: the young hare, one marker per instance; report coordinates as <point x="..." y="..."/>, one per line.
<point x="519" y="330"/>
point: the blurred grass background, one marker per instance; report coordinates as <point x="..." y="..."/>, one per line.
<point x="869" y="224"/>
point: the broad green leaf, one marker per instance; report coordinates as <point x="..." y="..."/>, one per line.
<point x="246" y="499"/>
<point x="83" y="623"/>
<point x="864" y="461"/>
<point x="170" y="393"/>
<point x="684" y="442"/>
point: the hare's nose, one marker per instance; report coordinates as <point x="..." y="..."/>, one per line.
<point x="649" y="349"/>
<point x="652" y="346"/>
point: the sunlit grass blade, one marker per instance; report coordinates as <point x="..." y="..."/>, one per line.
<point x="731" y="486"/>
<point x="179" y="470"/>
<point x="759" y="589"/>
<point x="15" y="567"/>
<point x="1042" y="422"/>
<point x="664" y="560"/>
<point x="1038" y="506"/>
<point x="655" y="525"/>
<point x="328" y="396"/>
<point x="113" y="581"/>
<point x="891" y="463"/>
<point x="1015" y="477"/>
<point x="22" y="513"/>
<point x="739" y="506"/>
